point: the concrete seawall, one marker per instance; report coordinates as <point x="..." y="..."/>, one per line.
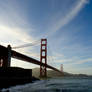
<point x="12" y="76"/>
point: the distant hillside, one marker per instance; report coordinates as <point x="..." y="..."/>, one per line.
<point x="53" y="74"/>
<point x="50" y="73"/>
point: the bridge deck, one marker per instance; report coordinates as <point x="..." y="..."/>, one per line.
<point x="23" y="57"/>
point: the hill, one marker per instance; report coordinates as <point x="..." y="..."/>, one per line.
<point x="50" y="73"/>
<point x="54" y="74"/>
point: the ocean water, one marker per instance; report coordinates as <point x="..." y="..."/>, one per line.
<point x="55" y="85"/>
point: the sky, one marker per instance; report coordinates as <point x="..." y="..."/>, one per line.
<point x="67" y="25"/>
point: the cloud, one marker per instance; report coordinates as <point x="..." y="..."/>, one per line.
<point x="74" y="61"/>
<point x="19" y="63"/>
<point x="83" y="61"/>
<point x="13" y="23"/>
<point x="65" y="19"/>
<point x="14" y="28"/>
<point x="14" y="35"/>
<point x="78" y="70"/>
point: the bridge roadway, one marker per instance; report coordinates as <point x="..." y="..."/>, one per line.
<point x="17" y="55"/>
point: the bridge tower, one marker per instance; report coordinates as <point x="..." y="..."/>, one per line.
<point x="61" y="68"/>
<point x="5" y="56"/>
<point x="43" y="58"/>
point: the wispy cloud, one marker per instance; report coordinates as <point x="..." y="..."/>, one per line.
<point x="64" y="20"/>
<point x="73" y="61"/>
<point x="14" y="28"/>
<point x="83" y="61"/>
<point x="78" y="70"/>
<point x="19" y="63"/>
<point x="14" y="35"/>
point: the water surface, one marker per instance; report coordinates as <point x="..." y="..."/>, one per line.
<point x="55" y="85"/>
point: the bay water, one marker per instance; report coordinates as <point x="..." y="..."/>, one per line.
<point x="66" y="84"/>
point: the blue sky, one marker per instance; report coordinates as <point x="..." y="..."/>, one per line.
<point x="65" y="23"/>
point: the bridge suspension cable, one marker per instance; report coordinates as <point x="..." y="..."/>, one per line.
<point x="35" y="43"/>
<point x="51" y="58"/>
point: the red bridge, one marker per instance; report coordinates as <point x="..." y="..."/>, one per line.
<point x="6" y="53"/>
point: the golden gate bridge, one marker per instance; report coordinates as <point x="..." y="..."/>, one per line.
<point x="7" y="52"/>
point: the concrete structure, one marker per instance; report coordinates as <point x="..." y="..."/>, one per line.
<point x="11" y="76"/>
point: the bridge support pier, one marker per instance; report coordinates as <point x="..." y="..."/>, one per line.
<point x="43" y="58"/>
